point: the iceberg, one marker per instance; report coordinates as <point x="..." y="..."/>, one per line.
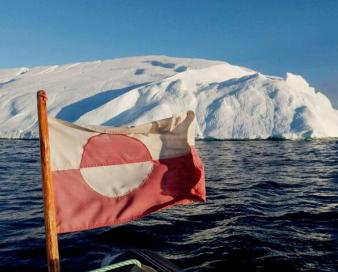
<point x="230" y="102"/>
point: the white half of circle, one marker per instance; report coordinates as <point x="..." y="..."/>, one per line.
<point x="117" y="180"/>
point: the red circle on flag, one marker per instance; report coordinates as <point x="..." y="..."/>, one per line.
<point x="114" y="165"/>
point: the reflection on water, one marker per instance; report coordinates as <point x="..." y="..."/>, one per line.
<point x="272" y="205"/>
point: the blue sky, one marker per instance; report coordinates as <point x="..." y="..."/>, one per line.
<point x="273" y="37"/>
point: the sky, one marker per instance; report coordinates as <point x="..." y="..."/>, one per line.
<point x="272" y="37"/>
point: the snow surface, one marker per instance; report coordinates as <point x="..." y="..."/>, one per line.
<point x="231" y="102"/>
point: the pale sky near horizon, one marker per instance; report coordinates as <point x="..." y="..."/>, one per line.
<point x="272" y="37"/>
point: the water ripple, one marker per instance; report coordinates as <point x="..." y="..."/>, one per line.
<point x="271" y="206"/>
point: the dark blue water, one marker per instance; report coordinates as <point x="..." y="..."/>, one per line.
<point x="272" y="206"/>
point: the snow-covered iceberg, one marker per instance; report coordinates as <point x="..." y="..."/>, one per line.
<point x="231" y="102"/>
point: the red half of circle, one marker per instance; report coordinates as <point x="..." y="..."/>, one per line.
<point x="112" y="149"/>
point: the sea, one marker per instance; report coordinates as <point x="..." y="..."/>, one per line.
<point x="271" y="206"/>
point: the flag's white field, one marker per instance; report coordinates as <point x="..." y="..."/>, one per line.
<point x="110" y="175"/>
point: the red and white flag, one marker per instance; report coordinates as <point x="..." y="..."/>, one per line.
<point x="111" y="175"/>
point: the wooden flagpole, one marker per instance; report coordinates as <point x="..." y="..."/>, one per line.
<point x="47" y="185"/>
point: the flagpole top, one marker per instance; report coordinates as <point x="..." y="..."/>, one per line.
<point x="42" y="94"/>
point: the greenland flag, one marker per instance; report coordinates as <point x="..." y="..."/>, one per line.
<point x="111" y="175"/>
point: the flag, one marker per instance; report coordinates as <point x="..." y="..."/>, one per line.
<point x="111" y="175"/>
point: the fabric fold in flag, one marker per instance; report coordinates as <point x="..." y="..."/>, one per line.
<point x="111" y="175"/>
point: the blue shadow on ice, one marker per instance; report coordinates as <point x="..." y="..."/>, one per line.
<point x="128" y="116"/>
<point x="74" y="111"/>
